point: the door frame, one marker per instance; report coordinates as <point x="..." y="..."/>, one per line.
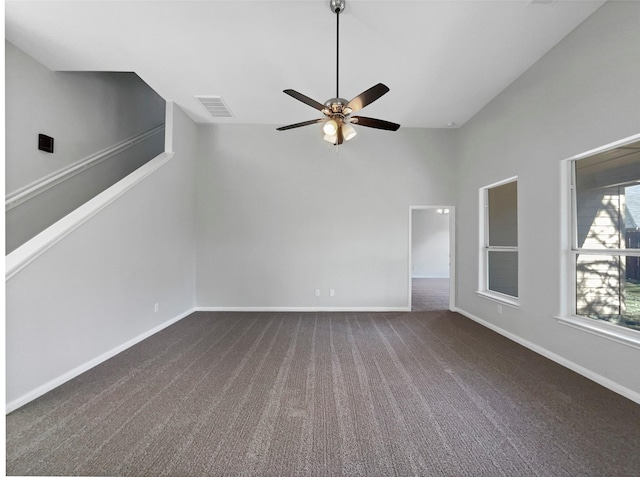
<point x="452" y="250"/>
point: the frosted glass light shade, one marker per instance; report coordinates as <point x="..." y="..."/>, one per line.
<point x="332" y="138"/>
<point x="330" y="128"/>
<point x="348" y="131"/>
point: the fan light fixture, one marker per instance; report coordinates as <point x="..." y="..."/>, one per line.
<point x="330" y="128"/>
<point x="332" y="138"/>
<point x="338" y="121"/>
<point x="348" y="131"/>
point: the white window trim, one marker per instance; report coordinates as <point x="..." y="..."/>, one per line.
<point x="619" y="334"/>
<point x="569" y="250"/>
<point x="483" y="273"/>
<point x="500" y="298"/>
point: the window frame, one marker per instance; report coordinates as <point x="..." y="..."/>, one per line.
<point x="570" y="251"/>
<point x="486" y="248"/>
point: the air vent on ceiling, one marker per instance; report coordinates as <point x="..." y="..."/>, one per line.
<point x="215" y="105"/>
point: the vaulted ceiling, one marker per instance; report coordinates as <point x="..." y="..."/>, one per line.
<point x="442" y="60"/>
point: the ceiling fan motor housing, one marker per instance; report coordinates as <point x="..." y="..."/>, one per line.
<point x="336" y="109"/>
<point x="336" y="105"/>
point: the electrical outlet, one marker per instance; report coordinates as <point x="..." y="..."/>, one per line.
<point x="499" y="309"/>
<point x="317" y="292"/>
<point x="332" y="292"/>
<point x="156" y="307"/>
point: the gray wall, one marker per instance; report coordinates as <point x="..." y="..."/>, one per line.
<point x="31" y="217"/>
<point x="583" y="94"/>
<point x="429" y="244"/>
<point x="281" y="214"/>
<point x="84" y="112"/>
<point x="96" y="288"/>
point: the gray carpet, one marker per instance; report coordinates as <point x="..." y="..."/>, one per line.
<point x="421" y="393"/>
<point x="429" y="294"/>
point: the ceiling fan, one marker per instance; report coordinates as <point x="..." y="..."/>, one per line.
<point x="337" y="111"/>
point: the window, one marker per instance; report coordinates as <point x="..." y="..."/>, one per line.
<point x="605" y="250"/>
<point x="499" y="239"/>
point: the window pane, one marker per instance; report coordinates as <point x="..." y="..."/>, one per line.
<point x="503" y="215"/>
<point x="632" y="216"/>
<point x="608" y="200"/>
<point x="503" y="272"/>
<point x="608" y="289"/>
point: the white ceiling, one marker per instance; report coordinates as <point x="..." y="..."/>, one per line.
<point x="442" y="60"/>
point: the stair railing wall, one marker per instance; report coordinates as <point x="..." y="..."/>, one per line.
<point x="33" y="208"/>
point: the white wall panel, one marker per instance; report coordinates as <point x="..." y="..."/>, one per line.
<point x="429" y="243"/>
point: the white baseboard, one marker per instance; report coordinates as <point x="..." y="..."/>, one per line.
<point x="371" y="309"/>
<point x="587" y="373"/>
<point x="54" y="383"/>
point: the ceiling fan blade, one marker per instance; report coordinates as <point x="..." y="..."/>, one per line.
<point x="368" y="97"/>
<point x="375" y="123"/>
<point x="297" y="125"/>
<point x="305" y="99"/>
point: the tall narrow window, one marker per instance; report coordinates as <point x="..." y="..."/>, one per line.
<point x="499" y="261"/>
<point x="606" y="236"/>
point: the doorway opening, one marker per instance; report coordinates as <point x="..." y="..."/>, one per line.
<point x="431" y="258"/>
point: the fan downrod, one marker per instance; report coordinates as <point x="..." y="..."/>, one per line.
<point x="336" y="5"/>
